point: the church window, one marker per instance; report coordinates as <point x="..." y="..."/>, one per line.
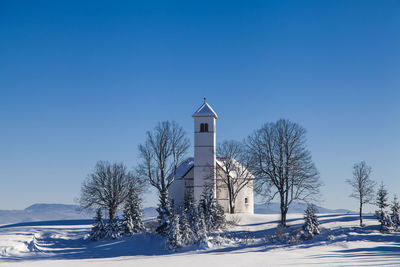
<point x="203" y="127"/>
<point x="246" y="200"/>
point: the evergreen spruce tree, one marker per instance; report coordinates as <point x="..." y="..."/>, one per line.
<point x="174" y="238"/>
<point x="213" y="213"/>
<point x="191" y="211"/>
<point x="98" y="229"/>
<point x="385" y="220"/>
<point x="186" y="231"/>
<point x="164" y="214"/>
<point x="395" y="213"/>
<point x="311" y="224"/>
<point x="127" y="223"/>
<point x="112" y="229"/>
<point x="395" y="207"/>
<point x="382" y="197"/>
<point x="136" y="213"/>
<point x="200" y="230"/>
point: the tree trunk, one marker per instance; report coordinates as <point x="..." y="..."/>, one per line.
<point x="231" y="209"/>
<point x="361" y="219"/>
<point x="283" y="212"/>
<point x="111" y="214"/>
<point x="283" y="217"/>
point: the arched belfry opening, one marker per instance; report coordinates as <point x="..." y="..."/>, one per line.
<point x="204" y="127"/>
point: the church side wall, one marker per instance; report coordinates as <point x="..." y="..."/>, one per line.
<point x="244" y="201"/>
<point x="179" y="187"/>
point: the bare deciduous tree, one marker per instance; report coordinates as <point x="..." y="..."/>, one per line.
<point x="283" y="165"/>
<point x="235" y="163"/>
<point x="107" y="187"/>
<point x="161" y="154"/>
<point x="362" y="185"/>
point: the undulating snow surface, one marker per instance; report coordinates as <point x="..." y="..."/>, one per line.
<point x="342" y="242"/>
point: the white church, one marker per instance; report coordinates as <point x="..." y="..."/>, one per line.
<point x="195" y="173"/>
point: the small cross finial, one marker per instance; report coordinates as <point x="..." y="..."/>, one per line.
<point x="204" y="100"/>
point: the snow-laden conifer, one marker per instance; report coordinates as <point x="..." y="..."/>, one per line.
<point x="164" y="214"/>
<point x="200" y="230"/>
<point x="98" y="229"/>
<point x="385" y="220"/>
<point x="213" y="213"/>
<point x="136" y="213"/>
<point x="127" y="224"/>
<point x="174" y="238"/>
<point x="186" y="231"/>
<point x="311" y="224"/>
<point x="395" y="216"/>
<point x="382" y="197"/>
<point x="112" y="229"/>
<point x="190" y="209"/>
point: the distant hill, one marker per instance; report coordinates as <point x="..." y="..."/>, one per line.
<point x="50" y="212"/>
<point x="296" y="207"/>
<point x="41" y="212"/>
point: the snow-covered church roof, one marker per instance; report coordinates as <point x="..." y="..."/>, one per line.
<point x="188" y="164"/>
<point x="205" y="111"/>
<point x="184" y="168"/>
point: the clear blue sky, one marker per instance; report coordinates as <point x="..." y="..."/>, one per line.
<point x="82" y="81"/>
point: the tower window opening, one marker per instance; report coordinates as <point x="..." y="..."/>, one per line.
<point x="246" y="200"/>
<point x="203" y="127"/>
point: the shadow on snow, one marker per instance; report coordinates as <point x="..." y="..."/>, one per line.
<point x="74" y="246"/>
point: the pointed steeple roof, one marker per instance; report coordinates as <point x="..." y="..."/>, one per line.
<point x="205" y="111"/>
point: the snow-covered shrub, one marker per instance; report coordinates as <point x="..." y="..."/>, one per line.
<point x="174" y="238"/>
<point x="330" y="237"/>
<point x="98" y="229"/>
<point x="233" y="220"/>
<point x="280" y="233"/>
<point x="295" y="236"/>
<point x="33" y="245"/>
<point x="385" y="220"/>
<point x="112" y="229"/>
<point x="248" y="238"/>
<point x="311" y="224"/>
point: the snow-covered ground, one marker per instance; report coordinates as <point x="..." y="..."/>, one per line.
<point x="342" y="242"/>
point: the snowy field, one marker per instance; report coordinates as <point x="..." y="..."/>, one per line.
<point x="341" y="243"/>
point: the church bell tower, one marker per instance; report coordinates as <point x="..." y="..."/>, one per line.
<point x="204" y="149"/>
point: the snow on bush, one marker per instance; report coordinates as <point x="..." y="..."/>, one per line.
<point x="33" y="245"/>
